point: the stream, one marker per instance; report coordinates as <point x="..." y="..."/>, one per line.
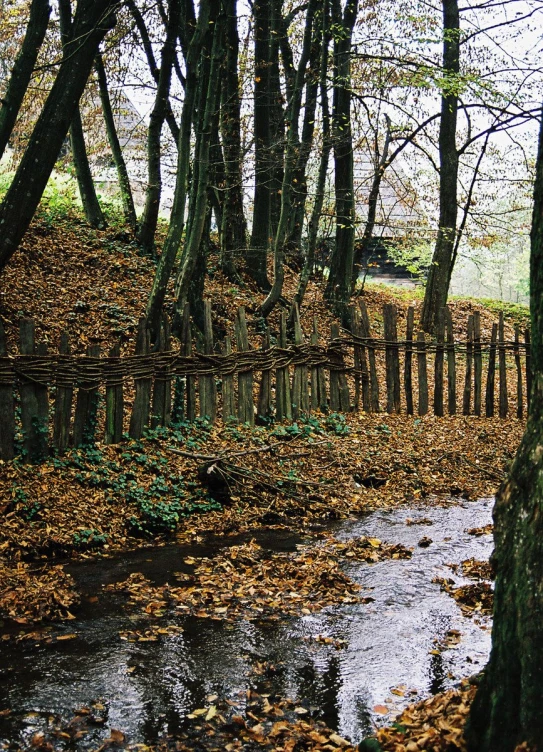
<point x="150" y="687"/>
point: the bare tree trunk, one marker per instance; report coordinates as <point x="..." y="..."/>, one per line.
<point x="172" y="242"/>
<point x="338" y="288"/>
<point x="85" y="181"/>
<point x="93" y="19"/>
<point x="149" y="220"/>
<point x="437" y="287"/>
<point x="22" y="69"/>
<point x="507" y="708"/>
<point x="127" y="199"/>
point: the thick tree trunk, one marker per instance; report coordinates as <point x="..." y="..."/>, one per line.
<point x="437" y="287"/>
<point x="93" y="18"/>
<point x="257" y="252"/>
<point x="149" y="220"/>
<point x="177" y="217"/>
<point x="291" y="160"/>
<point x="507" y="708"/>
<point x="276" y="115"/>
<point x="209" y="103"/>
<point x="127" y="199"/>
<point x="85" y="181"/>
<point x="22" y="69"/>
<point x="234" y="229"/>
<point x="338" y="288"/>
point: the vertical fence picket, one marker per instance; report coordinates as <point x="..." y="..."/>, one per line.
<point x="189" y="387"/>
<point x="504" y="406"/>
<point x="374" y="381"/>
<point x="438" y="363"/>
<point x="477" y="364"/>
<point x="466" y="399"/>
<point x="64" y="396"/>
<point x="319" y="400"/>
<point x="246" y="412"/>
<point x="283" y="405"/>
<point x="7" y="401"/>
<point x="228" y="394"/>
<point x="264" y="408"/>
<point x="206" y="383"/>
<point x="362" y="380"/>
<point x="520" y="405"/>
<point x="339" y="389"/>
<point x="162" y="388"/>
<point x="490" y="379"/>
<point x="300" y="394"/>
<point x="114" y="397"/>
<point x="86" y="406"/>
<point x="33" y="444"/>
<point x="141" y="408"/>
<point x="392" y="359"/>
<point x="408" y="362"/>
<point x="451" y="364"/>
<point x="422" y="373"/>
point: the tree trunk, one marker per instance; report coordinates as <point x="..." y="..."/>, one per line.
<point x="127" y="199"/>
<point x="149" y="220"/>
<point x="507" y="708"/>
<point x="313" y="225"/>
<point x="338" y="288"/>
<point x="233" y="231"/>
<point x="437" y="287"/>
<point x="257" y="252"/>
<point x="276" y="116"/>
<point x="177" y="217"/>
<point x="22" y="69"/>
<point x="209" y="101"/>
<point x="93" y="18"/>
<point x="291" y="158"/>
<point x="85" y="182"/>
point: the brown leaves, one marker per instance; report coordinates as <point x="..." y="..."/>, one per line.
<point x="29" y="596"/>
<point x="478" y="598"/>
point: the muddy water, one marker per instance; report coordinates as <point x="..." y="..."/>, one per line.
<point x="150" y="687"/>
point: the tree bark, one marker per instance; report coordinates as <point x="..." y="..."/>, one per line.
<point x="93" y="18"/>
<point x="437" y="287"/>
<point x="85" y="181"/>
<point x="177" y="217"/>
<point x="338" y="288"/>
<point x="507" y="708"/>
<point x="257" y="252"/>
<point x="127" y="199"/>
<point x="234" y="229"/>
<point x="161" y="107"/>
<point x="22" y="69"/>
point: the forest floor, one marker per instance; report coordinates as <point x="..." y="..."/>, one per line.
<point x="107" y="499"/>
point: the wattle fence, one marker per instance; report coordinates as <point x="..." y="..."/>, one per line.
<point x="51" y="401"/>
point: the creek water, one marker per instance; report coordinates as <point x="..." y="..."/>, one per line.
<point x="150" y="687"/>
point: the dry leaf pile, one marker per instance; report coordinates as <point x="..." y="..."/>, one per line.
<point x="28" y="595"/>
<point x="368" y="549"/>
<point x="247" y="582"/>
<point x="477" y="598"/>
<point x="475" y="569"/>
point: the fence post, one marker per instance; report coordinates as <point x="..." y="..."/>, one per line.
<point x="477" y="363"/>
<point x="466" y="400"/>
<point x="408" y="363"/>
<point x="86" y="406"/>
<point x="451" y="363"/>
<point x="228" y="396"/>
<point x="300" y="394"/>
<point x="208" y="390"/>
<point x="141" y="408"/>
<point x="520" y="406"/>
<point x="7" y="401"/>
<point x="246" y="413"/>
<point x="162" y="391"/>
<point x="374" y="381"/>
<point x="422" y="372"/>
<point x="438" y="363"/>
<point x="283" y="405"/>
<point x="489" y="397"/>
<point x="34" y="438"/>
<point x="264" y="409"/>
<point x="339" y="391"/>
<point x="392" y="358"/>
<point x="114" y="397"/>
<point x="504" y="407"/>
<point x="63" y="397"/>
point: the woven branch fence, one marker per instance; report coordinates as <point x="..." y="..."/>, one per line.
<point x="52" y="401"/>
